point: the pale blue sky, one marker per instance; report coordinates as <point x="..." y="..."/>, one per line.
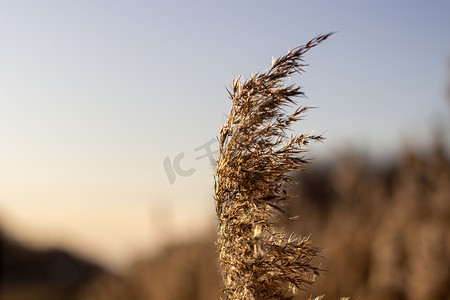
<point x="95" y="94"/>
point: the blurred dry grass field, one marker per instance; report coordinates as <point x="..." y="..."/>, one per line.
<point x="384" y="232"/>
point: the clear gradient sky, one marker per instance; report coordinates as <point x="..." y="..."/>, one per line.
<point x="95" y="95"/>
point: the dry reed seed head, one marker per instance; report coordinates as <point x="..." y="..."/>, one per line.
<point x="259" y="259"/>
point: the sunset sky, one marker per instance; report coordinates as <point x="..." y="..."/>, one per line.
<point x="96" y="95"/>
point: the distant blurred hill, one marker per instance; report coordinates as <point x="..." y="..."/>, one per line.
<point x="28" y="273"/>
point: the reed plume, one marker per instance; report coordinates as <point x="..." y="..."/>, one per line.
<point x="259" y="259"/>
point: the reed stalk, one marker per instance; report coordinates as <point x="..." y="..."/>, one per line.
<point x="259" y="259"/>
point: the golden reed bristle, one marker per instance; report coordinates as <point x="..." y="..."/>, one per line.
<point x="259" y="259"/>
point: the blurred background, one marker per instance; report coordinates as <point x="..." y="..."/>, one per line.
<point x="108" y="116"/>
